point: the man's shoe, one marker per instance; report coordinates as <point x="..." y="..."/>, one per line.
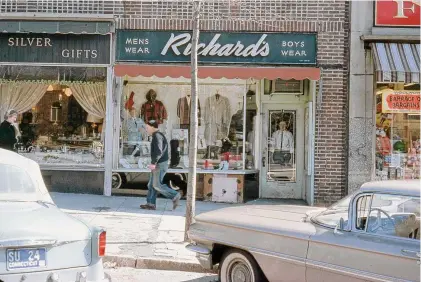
<point x="176" y="201"/>
<point x="148" y="207"/>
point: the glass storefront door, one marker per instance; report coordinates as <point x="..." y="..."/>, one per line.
<point x="283" y="151"/>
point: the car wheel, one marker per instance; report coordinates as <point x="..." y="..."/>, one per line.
<point x="239" y="266"/>
<point x="116" y="181"/>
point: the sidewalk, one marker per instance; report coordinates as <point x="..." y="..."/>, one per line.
<point x="142" y="238"/>
<point x="135" y="237"/>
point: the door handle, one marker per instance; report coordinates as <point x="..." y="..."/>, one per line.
<point x="263" y="161"/>
<point x="411" y="253"/>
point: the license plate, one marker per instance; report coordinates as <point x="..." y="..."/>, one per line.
<point x="26" y="258"/>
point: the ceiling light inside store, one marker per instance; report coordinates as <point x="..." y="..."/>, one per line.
<point x="68" y="92"/>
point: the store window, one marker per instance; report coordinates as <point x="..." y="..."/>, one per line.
<point x="61" y="113"/>
<point x="221" y="135"/>
<point x="397" y="131"/>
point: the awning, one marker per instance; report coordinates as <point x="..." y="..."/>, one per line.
<point x="297" y="73"/>
<point x="397" y="62"/>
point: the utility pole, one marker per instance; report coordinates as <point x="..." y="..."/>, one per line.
<point x="191" y="183"/>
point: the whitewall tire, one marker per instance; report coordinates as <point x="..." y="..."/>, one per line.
<point x="239" y="266"/>
<point x="117" y="181"/>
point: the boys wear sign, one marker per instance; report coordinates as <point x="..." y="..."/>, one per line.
<point x="232" y="47"/>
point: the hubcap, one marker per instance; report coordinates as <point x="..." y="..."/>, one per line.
<point x="238" y="271"/>
<point x="115" y="180"/>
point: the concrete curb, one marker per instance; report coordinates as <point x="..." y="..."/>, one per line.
<point x="158" y="264"/>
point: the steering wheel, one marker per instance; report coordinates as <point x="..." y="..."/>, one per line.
<point x="378" y="223"/>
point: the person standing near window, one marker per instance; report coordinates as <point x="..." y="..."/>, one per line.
<point x="158" y="167"/>
<point x="8" y="130"/>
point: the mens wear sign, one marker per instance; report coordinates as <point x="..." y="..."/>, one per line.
<point x="397" y="13"/>
<point x="55" y="48"/>
<point x="256" y="48"/>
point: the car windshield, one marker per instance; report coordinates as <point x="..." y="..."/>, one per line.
<point x="334" y="213"/>
<point x="17" y="184"/>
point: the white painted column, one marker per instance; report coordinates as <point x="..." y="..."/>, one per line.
<point x="109" y="124"/>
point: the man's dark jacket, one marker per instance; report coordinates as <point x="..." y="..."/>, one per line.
<point x="7" y="135"/>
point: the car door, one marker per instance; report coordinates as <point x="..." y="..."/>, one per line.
<point x="371" y="250"/>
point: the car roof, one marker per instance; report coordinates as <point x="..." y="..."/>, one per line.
<point x="12" y="158"/>
<point x="30" y="166"/>
<point x="401" y="187"/>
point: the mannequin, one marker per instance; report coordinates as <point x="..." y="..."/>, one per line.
<point x="183" y="109"/>
<point x="153" y="109"/>
<point x="133" y="126"/>
<point x="284" y="144"/>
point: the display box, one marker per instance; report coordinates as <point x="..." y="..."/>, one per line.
<point x="220" y="196"/>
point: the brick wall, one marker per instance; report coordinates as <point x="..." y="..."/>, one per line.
<point x="330" y="19"/>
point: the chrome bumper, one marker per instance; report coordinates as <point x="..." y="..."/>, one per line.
<point x="63" y="275"/>
<point x="203" y="255"/>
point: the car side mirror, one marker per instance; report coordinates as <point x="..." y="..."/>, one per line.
<point x="339" y="226"/>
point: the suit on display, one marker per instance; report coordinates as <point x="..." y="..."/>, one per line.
<point x="183" y="110"/>
<point x="217" y="118"/>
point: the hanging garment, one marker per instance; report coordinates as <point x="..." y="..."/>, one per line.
<point x="129" y="102"/>
<point x="217" y="118"/>
<point x="183" y="110"/>
<point x="236" y="125"/>
<point x="175" y="153"/>
<point x="153" y="110"/>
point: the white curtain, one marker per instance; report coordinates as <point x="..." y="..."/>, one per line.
<point x="20" y="95"/>
<point x="92" y="98"/>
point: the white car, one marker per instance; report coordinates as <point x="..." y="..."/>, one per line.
<point x="39" y="242"/>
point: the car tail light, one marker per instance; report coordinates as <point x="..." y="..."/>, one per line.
<point x="102" y="241"/>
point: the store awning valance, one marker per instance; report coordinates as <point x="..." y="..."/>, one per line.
<point x="297" y="73"/>
<point x="397" y="62"/>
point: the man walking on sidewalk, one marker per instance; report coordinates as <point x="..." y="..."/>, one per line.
<point x="158" y="167"/>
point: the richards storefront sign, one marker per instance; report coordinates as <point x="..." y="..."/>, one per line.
<point x="55" y="48"/>
<point x="399" y="13"/>
<point x="218" y="48"/>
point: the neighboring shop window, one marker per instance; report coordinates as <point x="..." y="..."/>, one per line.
<point x="61" y="113"/>
<point x="397" y="132"/>
<point x="220" y="138"/>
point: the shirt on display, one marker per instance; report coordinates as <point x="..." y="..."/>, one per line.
<point x="284" y="140"/>
<point x="153" y="110"/>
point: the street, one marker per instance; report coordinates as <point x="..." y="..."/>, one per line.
<point x="125" y="274"/>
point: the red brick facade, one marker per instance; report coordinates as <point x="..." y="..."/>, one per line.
<point x="330" y="19"/>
